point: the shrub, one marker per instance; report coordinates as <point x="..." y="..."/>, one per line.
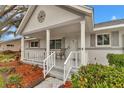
<point x="4" y="69"/>
<point x="2" y="82"/>
<point x="98" y="76"/>
<point x="14" y="79"/>
<point x="6" y="57"/>
<point x="116" y="59"/>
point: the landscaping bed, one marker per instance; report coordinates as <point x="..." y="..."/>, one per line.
<point x="16" y="74"/>
<point x="8" y="56"/>
<point x="68" y="84"/>
<point x="98" y="76"/>
<point x="20" y="75"/>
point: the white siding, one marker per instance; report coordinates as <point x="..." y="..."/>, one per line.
<point x="54" y="15"/>
<point x="99" y="55"/>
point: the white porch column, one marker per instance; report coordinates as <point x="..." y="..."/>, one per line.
<point x="83" y="60"/>
<point x="22" y="48"/>
<point x="47" y="42"/>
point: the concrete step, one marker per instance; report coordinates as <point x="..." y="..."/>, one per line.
<point x="56" y="73"/>
<point x="50" y="82"/>
<point x="59" y="73"/>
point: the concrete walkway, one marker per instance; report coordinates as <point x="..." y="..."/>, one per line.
<point x="50" y="83"/>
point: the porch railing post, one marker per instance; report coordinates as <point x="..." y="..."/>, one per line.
<point x="47" y="42"/>
<point x="83" y="61"/>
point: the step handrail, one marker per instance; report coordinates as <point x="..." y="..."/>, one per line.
<point x="68" y="64"/>
<point x="49" y="63"/>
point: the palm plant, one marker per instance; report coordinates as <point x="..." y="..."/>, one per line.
<point x="11" y="15"/>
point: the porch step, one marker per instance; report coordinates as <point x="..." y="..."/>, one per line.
<point x="58" y="72"/>
<point x="50" y="82"/>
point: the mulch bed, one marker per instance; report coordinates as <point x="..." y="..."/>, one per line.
<point x="68" y="84"/>
<point x="31" y="75"/>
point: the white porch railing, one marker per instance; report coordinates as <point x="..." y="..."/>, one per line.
<point x="49" y="63"/>
<point x="36" y="55"/>
<point x="72" y="61"/>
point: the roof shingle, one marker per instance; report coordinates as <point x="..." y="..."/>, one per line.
<point x="110" y="23"/>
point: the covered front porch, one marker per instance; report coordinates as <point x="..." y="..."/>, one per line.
<point x="62" y="40"/>
<point x="66" y="41"/>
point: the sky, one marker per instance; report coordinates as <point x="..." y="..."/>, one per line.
<point x="9" y="36"/>
<point x="103" y="13"/>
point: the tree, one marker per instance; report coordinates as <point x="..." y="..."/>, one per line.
<point x="11" y="15"/>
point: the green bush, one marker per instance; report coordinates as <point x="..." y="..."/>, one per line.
<point x="98" y="76"/>
<point x="6" y="57"/>
<point x="14" y="79"/>
<point x="4" y="69"/>
<point x="2" y="82"/>
<point x="116" y="59"/>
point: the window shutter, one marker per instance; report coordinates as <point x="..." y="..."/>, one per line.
<point x="115" y="38"/>
<point x="92" y="40"/>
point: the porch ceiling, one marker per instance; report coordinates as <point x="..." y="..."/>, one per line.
<point x="63" y="31"/>
<point x="71" y="22"/>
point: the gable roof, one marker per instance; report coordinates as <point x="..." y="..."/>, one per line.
<point x="81" y="9"/>
<point x="119" y="23"/>
<point x="110" y="23"/>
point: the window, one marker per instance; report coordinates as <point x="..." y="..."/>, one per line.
<point x="55" y="44"/>
<point x="34" y="44"/>
<point x="10" y="45"/>
<point x="103" y="39"/>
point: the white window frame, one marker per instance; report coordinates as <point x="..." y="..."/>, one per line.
<point x="104" y="45"/>
<point x="34" y="41"/>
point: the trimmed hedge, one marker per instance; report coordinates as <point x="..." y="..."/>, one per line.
<point x="116" y="59"/>
<point x="98" y="76"/>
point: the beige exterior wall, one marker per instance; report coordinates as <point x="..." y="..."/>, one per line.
<point x="16" y="47"/>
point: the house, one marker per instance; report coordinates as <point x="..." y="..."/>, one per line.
<point x="65" y="37"/>
<point x="107" y="37"/>
<point x="12" y="45"/>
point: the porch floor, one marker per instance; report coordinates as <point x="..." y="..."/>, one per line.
<point x="60" y="63"/>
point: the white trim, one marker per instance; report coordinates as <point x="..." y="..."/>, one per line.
<point x="85" y="9"/>
<point x="64" y="23"/>
<point x="108" y="27"/>
<point x="82" y="9"/>
<point x="82" y="24"/>
<point x="25" y="19"/>
<point x="103" y="45"/>
<point x="47" y="42"/>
